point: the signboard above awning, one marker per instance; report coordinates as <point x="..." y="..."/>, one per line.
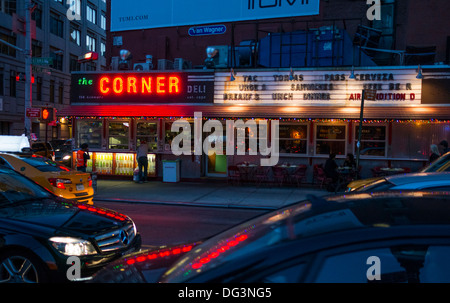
<point x="144" y="14"/>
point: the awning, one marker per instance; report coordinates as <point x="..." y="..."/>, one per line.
<point x="270" y="112"/>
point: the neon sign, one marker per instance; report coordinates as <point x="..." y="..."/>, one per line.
<point x="137" y="84"/>
<point x="143" y="87"/>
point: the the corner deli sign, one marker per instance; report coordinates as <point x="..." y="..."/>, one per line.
<point x="142" y="87"/>
<point x="393" y="87"/>
<point x="143" y="14"/>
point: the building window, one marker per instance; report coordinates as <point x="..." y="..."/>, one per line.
<point x="57" y="57"/>
<point x="75" y="34"/>
<point x="8" y="6"/>
<point x="90" y="132"/>
<point x="36" y="15"/>
<point x="60" y="1"/>
<point x="91" y="66"/>
<point x="52" y="91"/>
<point x="2" y="92"/>
<point x="149" y="132"/>
<point x="387" y="27"/>
<point x="293" y="138"/>
<point x="12" y="84"/>
<point x="103" y="21"/>
<point x="90" y="42"/>
<point x="102" y="48"/>
<point x="5" y="49"/>
<point x="75" y="66"/>
<point x="61" y="93"/>
<point x="330" y="139"/>
<point x="39" y="89"/>
<point x="118" y="135"/>
<point x="373" y="140"/>
<point x="36" y="48"/>
<point x="56" y="25"/>
<point x="91" y="13"/>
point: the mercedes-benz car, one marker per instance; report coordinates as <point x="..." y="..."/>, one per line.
<point x="40" y="231"/>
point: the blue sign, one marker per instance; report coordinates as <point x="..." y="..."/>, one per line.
<point x="207" y="30"/>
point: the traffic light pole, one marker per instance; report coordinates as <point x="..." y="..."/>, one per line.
<point x="28" y="71"/>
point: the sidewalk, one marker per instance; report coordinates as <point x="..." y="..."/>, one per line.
<point x="213" y="193"/>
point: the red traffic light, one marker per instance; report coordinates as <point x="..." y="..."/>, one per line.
<point x="47" y="114"/>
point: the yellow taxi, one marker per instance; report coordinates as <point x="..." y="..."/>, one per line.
<point x="60" y="180"/>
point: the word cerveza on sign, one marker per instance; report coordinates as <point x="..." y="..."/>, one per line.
<point x="207" y="30"/>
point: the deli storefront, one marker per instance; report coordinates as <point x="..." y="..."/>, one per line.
<point x="318" y="112"/>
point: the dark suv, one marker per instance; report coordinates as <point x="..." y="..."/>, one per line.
<point x="40" y="231"/>
<point x="43" y="149"/>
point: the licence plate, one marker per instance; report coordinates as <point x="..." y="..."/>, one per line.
<point x="80" y="187"/>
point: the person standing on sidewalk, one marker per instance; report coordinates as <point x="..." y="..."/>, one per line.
<point x="141" y="155"/>
<point x="82" y="157"/>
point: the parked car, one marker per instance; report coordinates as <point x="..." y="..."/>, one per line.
<point x="329" y="239"/>
<point x="63" y="151"/>
<point x="419" y="181"/>
<point x="43" y="149"/>
<point x="439" y="165"/>
<point x="62" y="181"/>
<point x="39" y="231"/>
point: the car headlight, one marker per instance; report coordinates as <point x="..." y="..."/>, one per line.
<point x="73" y="246"/>
<point x="66" y="157"/>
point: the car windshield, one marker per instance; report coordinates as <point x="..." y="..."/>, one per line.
<point x="259" y="234"/>
<point x="440" y="164"/>
<point x="43" y="164"/>
<point x="15" y="188"/>
<point x="378" y="185"/>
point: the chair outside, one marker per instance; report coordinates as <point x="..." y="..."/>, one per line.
<point x="299" y="174"/>
<point x="279" y="175"/>
<point x="322" y="177"/>
<point x="234" y="175"/>
<point x="262" y="175"/>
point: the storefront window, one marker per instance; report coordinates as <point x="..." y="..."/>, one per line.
<point x="330" y="139"/>
<point x="118" y="135"/>
<point x="90" y="132"/>
<point x="169" y="135"/>
<point x="149" y="132"/>
<point x="293" y="138"/>
<point x="373" y="140"/>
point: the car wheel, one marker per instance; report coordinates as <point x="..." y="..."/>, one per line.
<point x="21" y="267"/>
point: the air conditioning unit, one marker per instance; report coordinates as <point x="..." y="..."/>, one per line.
<point x="115" y="63"/>
<point x="164" y="64"/>
<point x="218" y="56"/>
<point x="180" y="64"/>
<point x="143" y="66"/>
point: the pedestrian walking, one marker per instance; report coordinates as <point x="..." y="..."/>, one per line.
<point x="141" y="155"/>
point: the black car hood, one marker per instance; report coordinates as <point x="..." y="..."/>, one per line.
<point x="62" y="215"/>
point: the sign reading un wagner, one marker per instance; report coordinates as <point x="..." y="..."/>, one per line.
<point x="142" y="14"/>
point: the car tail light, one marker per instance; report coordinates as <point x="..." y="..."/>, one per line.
<point x="59" y="183"/>
<point x="90" y="181"/>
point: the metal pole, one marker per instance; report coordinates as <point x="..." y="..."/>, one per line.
<point x="358" y="144"/>
<point x="28" y="72"/>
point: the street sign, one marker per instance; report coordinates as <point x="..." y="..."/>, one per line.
<point x="33" y="112"/>
<point x="370" y="94"/>
<point x="46" y="61"/>
<point x="207" y="30"/>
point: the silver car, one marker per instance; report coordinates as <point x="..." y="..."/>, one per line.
<point x="438" y="181"/>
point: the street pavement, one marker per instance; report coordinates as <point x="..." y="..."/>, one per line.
<point x="203" y="193"/>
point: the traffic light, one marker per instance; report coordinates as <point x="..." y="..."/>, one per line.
<point x="47" y="114"/>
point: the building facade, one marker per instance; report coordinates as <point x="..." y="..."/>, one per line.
<point x="306" y="73"/>
<point x="55" y="35"/>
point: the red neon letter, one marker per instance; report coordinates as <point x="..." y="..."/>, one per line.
<point x="118" y="85"/>
<point x="103" y="89"/>
<point x="131" y="84"/>
<point x="174" y="84"/>
<point x="160" y="85"/>
<point x="147" y="85"/>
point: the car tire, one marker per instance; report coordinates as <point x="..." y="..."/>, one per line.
<point x="20" y="266"/>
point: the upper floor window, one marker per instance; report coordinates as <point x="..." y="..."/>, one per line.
<point x="56" y="25"/>
<point x="103" y="21"/>
<point x="8" y="6"/>
<point x="91" y="14"/>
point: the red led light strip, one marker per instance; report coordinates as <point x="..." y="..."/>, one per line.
<point x="160" y="254"/>
<point x="120" y="217"/>
<point x="219" y="251"/>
